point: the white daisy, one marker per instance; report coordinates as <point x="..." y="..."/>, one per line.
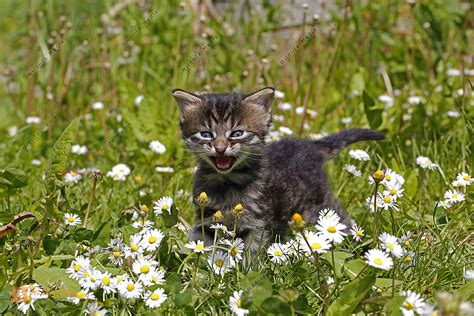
<point x="119" y="172"/>
<point x="346" y="120"/>
<point x="445" y="204"/>
<point x="359" y="154"/>
<point x="197" y="247"/>
<point x="314" y="242"/>
<point x="35" y="120"/>
<point x="378" y="259"/>
<point x="370" y="202"/>
<point x="88" y="278"/>
<point x="152" y="239"/>
<point x="71" y="219"/>
<point x="387" y="100"/>
<point x="76" y="265"/>
<point x="414" y="99"/>
<point x="352" y="170"/>
<point x="135" y="248"/>
<point x="469" y="275"/>
<point x="235" y="302"/>
<point x="453" y="196"/>
<point x="394" y="190"/>
<point x="390" y="244"/>
<point x="164" y="169"/>
<point x="357" y="233"/>
<point x="279" y="94"/>
<point x="463" y="179"/>
<point x="106" y="282"/>
<point x="285" y="106"/>
<point x="144" y="268"/>
<point x="12" y="131"/>
<point x="95" y="309"/>
<point x="412" y="304"/>
<point x="26" y="301"/>
<point x="142" y="223"/>
<point x="156" y="298"/>
<point x="36" y="162"/>
<point x="425" y="163"/>
<point x="236" y="248"/>
<point x="157" y="147"/>
<point x="293" y="248"/>
<point x="130" y="289"/>
<point x="329" y="214"/>
<point x="453" y="72"/>
<point x="155" y="277"/>
<point x="164" y="203"/>
<point x="220" y="263"/>
<point x="72" y="176"/>
<point x="97" y="106"/>
<point x="277" y="253"/>
<point x="453" y="114"/>
<point x="138" y="100"/>
<point x="81" y="295"/>
<point x="331" y="229"/>
<point x="78" y="149"/>
<point x="388" y="201"/>
<point x="285" y="130"/>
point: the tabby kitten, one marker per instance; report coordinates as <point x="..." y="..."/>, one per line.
<point x="226" y="132"/>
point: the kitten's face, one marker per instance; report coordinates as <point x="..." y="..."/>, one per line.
<point x="225" y="130"/>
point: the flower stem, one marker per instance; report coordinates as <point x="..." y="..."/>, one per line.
<point x="375" y="212"/>
<point x="202" y="223"/>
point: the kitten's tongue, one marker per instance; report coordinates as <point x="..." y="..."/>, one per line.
<point x="223" y="162"/>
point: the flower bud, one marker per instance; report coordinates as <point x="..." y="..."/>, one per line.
<point x="144" y="208"/>
<point x="297" y="220"/>
<point x="238" y="210"/>
<point x="138" y="180"/>
<point x="217" y="217"/>
<point x="202" y="199"/>
<point x="378" y="176"/>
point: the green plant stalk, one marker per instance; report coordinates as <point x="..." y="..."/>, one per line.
<point x="202" y="223"/>
<point x="89" y="204"/>
<point x="375" y="212"/>
<point x="322" y="282"/>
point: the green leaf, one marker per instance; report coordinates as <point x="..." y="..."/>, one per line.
<point x="170" y="218"/>
<point x="61" y="150"/>
<point x="50" y="243"/>
<point x="373" y="114"/>
<point x="276" y="306"/>
<point x="466" y="291"/>
<point x="339" y="259"/>
<point x="47" y="276"/>
<point x="351" y="295"/>
<point x="183" y="299"/>
<point x="81" y="234"/>
<point x="393" y="306"/>
<point x="357" y="84"/>
<point x="5" y="295"/>
<point x="11" y="178"/>
<point x="173" y="283"/>
<point x="353" y="267"/>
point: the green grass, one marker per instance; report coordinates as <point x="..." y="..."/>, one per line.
<point x="351" y="59"/>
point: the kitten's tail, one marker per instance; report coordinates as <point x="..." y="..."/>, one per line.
<point x="333" y="144"/>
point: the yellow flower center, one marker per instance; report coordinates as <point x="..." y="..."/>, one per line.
<point x="466" y="178"/>
<point x="390" y="246"/>
<point x="134" y="247"/>
<point x="234" y="251"/>
<point x="386" y="199"/>
<point x="93" y="279"/>
<point x="332" y="229"/>
<point x="408" y="305"/>
<point x="455" y="196"/>
<point x="359" y="233"/>
<point x="388" y="177"/>
<point x="116" y="254"/>
<point x="70" y="219"/>
<point x="408" y="259"/>
<point x="86" y="274"/>
<point x="130" y="287"/>
<point x="106" y="280"/>
<point x="200" y="247"/>
<point x="77" y="267"/>
<point x="378" y="261"/>
<point x="145" y="269"/>
<point x="73" y="173"/>
<point x="239" y="303"/>
<point x="165" y="207"/>
<point x="393" y="191"/>
<point x="27" y="299"/>
<point x="119" y="279"/>
<point x="406" y="243"/>
<point x="81" y="295"/>
<point x="144" y="208"/>
<point x="315" y="246"/>
<point x="96" y="313"/>
<point x="152" y="239"/>
<point x="278" y="252"/>
<point x="219" y="262"/>
<point x="155" y="296"/>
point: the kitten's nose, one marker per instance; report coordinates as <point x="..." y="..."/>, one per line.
<point x="220" y="150"/>
<point x="220" y="145"/>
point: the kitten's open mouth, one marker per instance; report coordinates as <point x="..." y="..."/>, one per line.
<point x="223" y="162"/>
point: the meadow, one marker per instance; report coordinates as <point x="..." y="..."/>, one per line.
<point x="96" y="183"/>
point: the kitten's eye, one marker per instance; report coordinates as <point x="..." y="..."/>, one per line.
<point x="206" y="135"/>
<point x="236" y="134"/>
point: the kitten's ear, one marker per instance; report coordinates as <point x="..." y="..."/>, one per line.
<point x="260" y="100"/>
<point x="188" y="103"/>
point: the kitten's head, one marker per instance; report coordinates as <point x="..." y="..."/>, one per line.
<point x="226" y="130"/>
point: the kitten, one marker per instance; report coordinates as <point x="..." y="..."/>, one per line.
<point x="226" y="132"/>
